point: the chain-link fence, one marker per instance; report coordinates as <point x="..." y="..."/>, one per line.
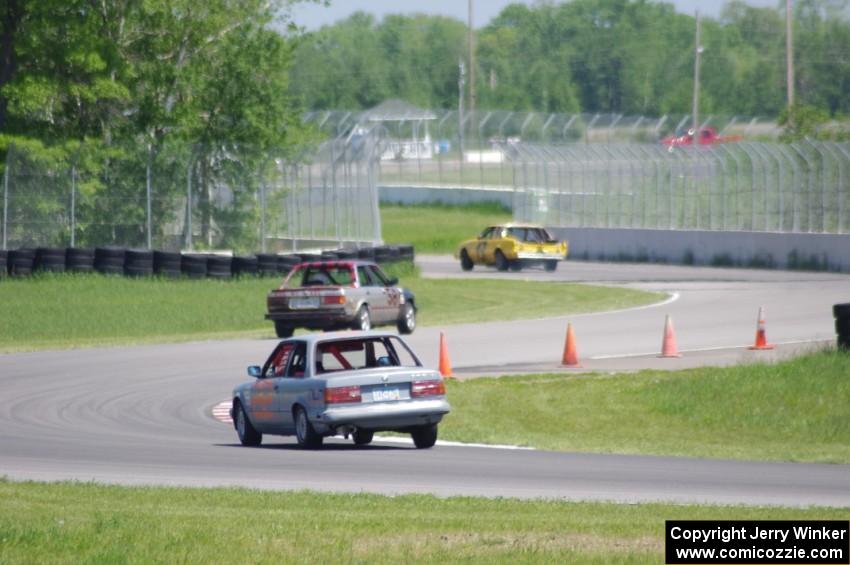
<point x="181" y="196"/>
<point x="798" y="187"/>
<point x="445" y="148"/>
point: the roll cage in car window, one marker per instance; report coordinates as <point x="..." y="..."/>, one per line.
<point x="287" y="360"/>
<point x="319" y="274"/>
<point x="363" y="353"/>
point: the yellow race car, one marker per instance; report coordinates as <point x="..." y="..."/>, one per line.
<point x="512" y="246"/>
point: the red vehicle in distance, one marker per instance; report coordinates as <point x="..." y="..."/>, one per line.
<point x="707" y="136"/>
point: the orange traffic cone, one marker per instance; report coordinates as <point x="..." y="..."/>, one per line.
<point x="761" y="335"/>
<point x="668" y="345"/>
<point x="445" y="364"/>
<point x="570" y="358"/>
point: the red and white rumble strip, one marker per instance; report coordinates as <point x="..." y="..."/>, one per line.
<point x="221" y="412"/>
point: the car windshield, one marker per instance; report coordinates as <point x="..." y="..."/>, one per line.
<point x="363" y="353"/>
<point x="532" y="235"/>
<point x="320" y="275"/>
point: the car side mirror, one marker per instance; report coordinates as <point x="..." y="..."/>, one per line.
<point x="255" y="371"/>
<point x="392" y="281"/>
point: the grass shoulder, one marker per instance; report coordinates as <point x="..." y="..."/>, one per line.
<point x="64" y="311"/>
<point x="90" y="523"/>
<point x="797" y="410"/>
<point x="436" y="228"/>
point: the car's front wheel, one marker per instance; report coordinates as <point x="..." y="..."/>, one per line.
<point x="363" y="321"/>
<point x="465" y="262"/>
<point x="424" y="436"/>
<point x="282" y="330"/>
<point x="304" y="432"/>
<point x="407" y="319"/>
<point x="362" y="437"/>
<point x="248" y="435"/>
<point x="550" y="265"/>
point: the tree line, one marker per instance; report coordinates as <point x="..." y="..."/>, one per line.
<point x="195" y="89"/>
<point x="617" y="56"/>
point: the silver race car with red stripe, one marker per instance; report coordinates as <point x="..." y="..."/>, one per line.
<point x="349" y="383"/>
<point x="325" y="295"/>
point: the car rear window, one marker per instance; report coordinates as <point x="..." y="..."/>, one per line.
<point x="320" y="275"/>
<point x="363" y="353"/>
<point x="534" y="235"/>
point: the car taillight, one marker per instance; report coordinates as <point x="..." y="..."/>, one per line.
<point x="342" y="394"/>
<point x="333" y="300"/>
<point x="427" y="388"/>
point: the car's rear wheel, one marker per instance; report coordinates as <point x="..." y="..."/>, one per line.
<point x="363" y="321"/>
<point x="550" y="265"/>
<point x="304" y="432"/>
<point x="424" y="436"/>
<point x="362" y="437"/>
<point x="248" y="435"/>
<point x="407" y="319"/>
<point x="283" y="330"/>
<point x="501" y="261"/>
<point x="465" y="262"/>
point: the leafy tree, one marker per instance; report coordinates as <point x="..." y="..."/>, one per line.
<point x="125" y="84"/>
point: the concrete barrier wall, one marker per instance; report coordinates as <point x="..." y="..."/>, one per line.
<point x="804" y="251"/>
<point x="745" y="249"/>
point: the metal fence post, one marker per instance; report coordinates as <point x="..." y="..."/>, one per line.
<point x="481" y="125"/>
<point x="74" y="205"/>
<point x="189" y="169"/>
<point x="147" y="196"/>
<point x="6" y="173"/>
<point x="840" y="189"/>
<point x="439" y="145"/>
<point x="809" y="187"/>
<point x="263" y="205"/>
<point x="823" y="205"/>
<point x="795" y="182"/>
<point x="743" y="146"/>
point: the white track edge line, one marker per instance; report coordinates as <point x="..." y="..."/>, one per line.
<point x="703" y="349"/>
<point x="444" y="443"/>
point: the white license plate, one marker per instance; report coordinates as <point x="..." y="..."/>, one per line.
<point x="304" y="303"/>
<point x="385" y="394"/>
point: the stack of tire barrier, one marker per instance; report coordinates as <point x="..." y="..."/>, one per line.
<point x="194" y="265"/>
<point x="79" y="260"/>
<point x="219" y="266"/>
<point x="842" y="325"/>
<point x="138" y="263"/>
<point x="173" y="264"/>
<point x="167" y="264"/>
<point x="245" y="265"/>
<point x="49" y="259"/>
<point x="20" y="262"/>
<point x="109" y="260"/>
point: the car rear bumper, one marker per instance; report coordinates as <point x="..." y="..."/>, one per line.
<point x="540" y="256"/>
<point x="383" y="415"/>
<point x="313" y="318"/>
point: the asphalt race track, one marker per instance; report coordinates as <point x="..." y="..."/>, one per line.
<point x="142" y="415"/>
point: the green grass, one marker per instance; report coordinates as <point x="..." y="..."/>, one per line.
<point x="88" y="523"/>
<point x="436" y="228"/>
<point x="59" y="311"/>
<point x="797" y="410"/>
